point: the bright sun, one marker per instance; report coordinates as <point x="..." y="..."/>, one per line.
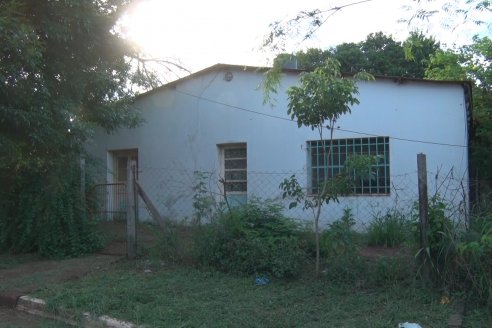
<point x="154" y="26"/>
<point x="198" y="33"/>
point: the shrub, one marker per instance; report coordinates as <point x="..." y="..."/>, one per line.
<point x="475" y="259"/>
<point x="460" y="259"/>
<point x="45" y="213"/>
<point x="340" y="239"/>
<point x="442" y="239"/>
<point x="392" y="229"/>
<point x="252" y="239"/>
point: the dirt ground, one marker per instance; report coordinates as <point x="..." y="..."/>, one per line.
<point x="24" y="274"/>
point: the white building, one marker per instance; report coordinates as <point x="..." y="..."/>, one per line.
<point x="215" y="121"/>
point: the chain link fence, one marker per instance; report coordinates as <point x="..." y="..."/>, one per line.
<point x="186" y="195"/>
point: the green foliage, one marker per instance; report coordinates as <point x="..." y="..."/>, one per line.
<point x="252" y="239"/>
<point x="203" y="201"/>
<point x="174" y="243"/>
<point x="321" y="98"/>
<point x="48" y="217"/>
<point x="390" y="230"/>
<point x="64" y="71"/>
<point x="475" y="259"/>
<point x="441" y="240"/>
<point x="460" y="259"/>
<point x="379" y="54"/>
<point x="340" y="239"/>
<point x="322" y="95"/>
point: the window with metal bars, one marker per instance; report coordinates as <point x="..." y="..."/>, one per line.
<point x="324" y="164"/>
<point x="235" y="168"/>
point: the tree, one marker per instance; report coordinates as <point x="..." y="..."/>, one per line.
<point x="379" y="54"/>
<point x="312" y="58"/>
<point x="351" y="57"/>
<point x="64" y="70"/>
<point x="419" y="50"/>
<point x="384" y="56"/>
<point x="320" y="99"/>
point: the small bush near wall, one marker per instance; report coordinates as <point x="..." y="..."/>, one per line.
<point x="340" y="239"/>
<point x="389" y="230"/>
<point x="252" y="239"/>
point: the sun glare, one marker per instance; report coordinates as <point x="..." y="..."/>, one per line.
<point x="198" y="33"/>
<point x="153" y="26"/>
<point x="202" y="33"/>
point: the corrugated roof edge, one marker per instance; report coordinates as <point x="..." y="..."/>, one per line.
<point x="219" y="66"/>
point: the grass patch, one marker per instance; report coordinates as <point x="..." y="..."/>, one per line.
<point x="478" y="317"/>
<point x="172" y="297"/>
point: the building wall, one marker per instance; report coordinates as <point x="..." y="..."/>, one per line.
<point x="184" y="124"/>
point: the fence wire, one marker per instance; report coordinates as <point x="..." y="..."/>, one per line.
<point x="187" y="195"/>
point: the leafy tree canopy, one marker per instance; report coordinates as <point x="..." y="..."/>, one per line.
<point x="63" y="70"/>
<point x="379" y="54"/>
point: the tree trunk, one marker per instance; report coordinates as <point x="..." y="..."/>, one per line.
<point x="316" y="236"/>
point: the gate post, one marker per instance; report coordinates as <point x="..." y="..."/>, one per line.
<point x="131" y="227"/>
<point x="424" y="215"/>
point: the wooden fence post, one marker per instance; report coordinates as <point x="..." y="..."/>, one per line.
<point x="82" y="176"/>
<point x="131" y="227"/>
<point x="424" y="215"/>
<point x="82" y="185"/>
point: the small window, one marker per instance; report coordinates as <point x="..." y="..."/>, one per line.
<point x="325" y="164"/>
<point x="234" y="171"/>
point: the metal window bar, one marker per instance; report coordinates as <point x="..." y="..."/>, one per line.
<point x="323" y="167"/>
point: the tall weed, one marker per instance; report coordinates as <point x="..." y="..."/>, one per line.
<point x="460" y="257"/>
<point x="389" y="230"/>
<point x="340" y="239"/>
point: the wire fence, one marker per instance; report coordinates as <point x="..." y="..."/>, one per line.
<point x="181" y="194"/>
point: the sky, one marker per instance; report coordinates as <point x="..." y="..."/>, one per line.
<point x="201" y="33"/>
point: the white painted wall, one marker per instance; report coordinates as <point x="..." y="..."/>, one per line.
<point x="185" y="122"/>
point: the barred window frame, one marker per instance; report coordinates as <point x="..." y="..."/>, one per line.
<point x="234" y="167"/>
<point x="319" y="170"/>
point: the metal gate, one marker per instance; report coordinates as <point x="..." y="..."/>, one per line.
<point x="107" y="201"/>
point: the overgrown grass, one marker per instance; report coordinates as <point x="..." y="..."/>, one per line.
<point x="181" y="297"/>
<point x="390" y="230"/>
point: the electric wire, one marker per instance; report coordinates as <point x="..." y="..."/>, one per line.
<point x="291" y="120"/>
